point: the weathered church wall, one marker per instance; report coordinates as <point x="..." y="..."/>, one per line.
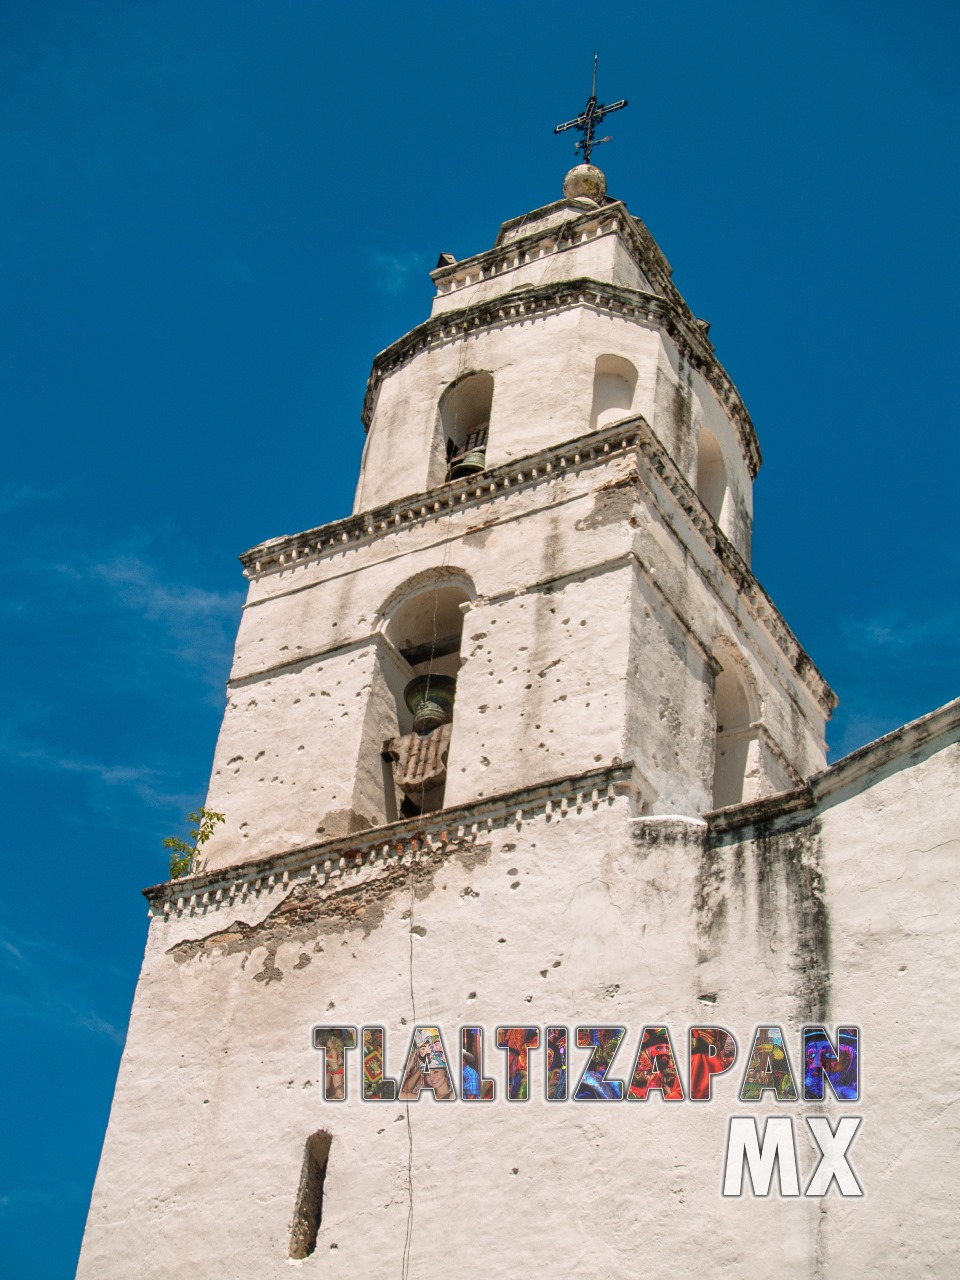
<point x="306" y="664"/>
<point x="683" y="404"/>
<point x="891" y="841"/>
<point x="542" y="692"/>
<point x="832" y="904"/>
<point x="856" y="875"/>
<point x="541" y="396"/>
<point x="711" y="610"/>
<point x="573" y="915"/>
<point x="670" y="727"/>
<point x="551" y="682"/>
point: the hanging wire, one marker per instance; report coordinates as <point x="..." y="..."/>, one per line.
<point x="418" y="838"/>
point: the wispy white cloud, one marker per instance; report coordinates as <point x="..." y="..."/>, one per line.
<point x="137" y="584"/>
<point x="27" y="1200"/>
<point x="393" y="271"/>
<point x="197" y="624"/>
<point x="100" y="1026"/>
<point x="859" y="728"/>
<point x="143" y="780"/>
<point x="895" y="632"/>
<point x="139" y="632"/>
<point x="888" y="667"/>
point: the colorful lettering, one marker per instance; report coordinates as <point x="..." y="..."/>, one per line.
<point x="594" y="1085"/>
<point x="376" y="1086"/>
<point x="768" y="1068"/>
<point x="426" y="1068"/>
<point x="334" y="1042"/>
<point x="474" y="1086"/>
<point x="655" y="1068"/>
<point x="713" y="1051"/>
<point x="840" y="1064"/>
<point x="518" y="1041"/>
<point x="556" y="1064"/>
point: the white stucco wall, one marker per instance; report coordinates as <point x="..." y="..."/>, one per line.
<point x="831" y="906"/>
<point x="891" y="861"/>
<point x="598" y="613"/>
<point x="577" y="919"/>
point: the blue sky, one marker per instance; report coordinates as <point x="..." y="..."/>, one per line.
<point x="213" y="216"/>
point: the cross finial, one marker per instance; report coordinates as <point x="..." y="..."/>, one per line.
<point x="589" y="118"/>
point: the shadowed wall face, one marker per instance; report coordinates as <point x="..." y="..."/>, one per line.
<point x="733" y="740"/>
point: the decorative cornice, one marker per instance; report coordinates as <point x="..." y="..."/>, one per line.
<point x="541" y="242"/>
<point x="535" y="301"/>
<point x="334" y="864"/>
<point x="337" y="864"/>
<point x="364" y="526"/>
<point x="589" y="450"/>
<point x="761" y="607"/>
<point x="611" y="217"/>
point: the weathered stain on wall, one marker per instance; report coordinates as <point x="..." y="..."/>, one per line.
<point x="308" y="913"/>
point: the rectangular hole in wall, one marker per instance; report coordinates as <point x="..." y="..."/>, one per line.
<point x="308" y="1213"/>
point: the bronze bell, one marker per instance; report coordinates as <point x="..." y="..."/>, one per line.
<point x="471" y="464"/>
<point x="430" y="698"/>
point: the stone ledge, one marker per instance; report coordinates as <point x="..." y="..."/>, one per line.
<point x="593" y="449"/>
<point x="525" y="250"/>
<point x="279" y="553"/>
<point x="558" y="237"/>
<point x="799" y="806"/>
<point x="651" y="257"/>
<point x="332" y="862"/>
<point x="897" y="745"/>
<point x="671" y="830"/>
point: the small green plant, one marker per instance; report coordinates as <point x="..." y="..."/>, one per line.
<point x="184" y="856"/>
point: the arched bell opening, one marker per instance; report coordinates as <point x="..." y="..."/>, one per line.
<point x="422" y="659"/>
<point x="465" y="409"/>
<point x="711" y="474"/>
<point x="614" y="385"/>
<point x="736" y="719"/>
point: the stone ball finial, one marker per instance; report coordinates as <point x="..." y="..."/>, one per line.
<point x="585" y="182"/>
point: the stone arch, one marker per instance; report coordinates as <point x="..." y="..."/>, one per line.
<point x="421" y="628"/>
<point x="464" y="409"/>
<point x="614" y="385"/>
<point x="424" y="580"/>
<point x="737" y="714"/>
<point x="711" y="473"/>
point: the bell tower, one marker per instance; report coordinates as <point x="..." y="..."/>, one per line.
<point x="550" y="547"/>
<point x="472" y="731"/>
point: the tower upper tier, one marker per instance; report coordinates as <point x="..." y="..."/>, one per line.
<point x="568" y="323"/>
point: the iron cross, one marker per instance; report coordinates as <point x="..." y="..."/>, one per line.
<point x="589" y="118"/>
